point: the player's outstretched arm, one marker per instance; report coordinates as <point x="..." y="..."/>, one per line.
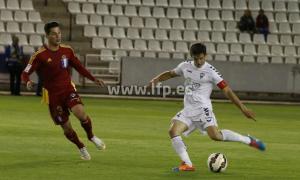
<point x="162" y="77"/>
<point x="74" y="62"/>
<point x="25" y="76"/>
<point x="233" y="98"/>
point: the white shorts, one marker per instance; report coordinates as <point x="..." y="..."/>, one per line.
<point x="196" y="119"/>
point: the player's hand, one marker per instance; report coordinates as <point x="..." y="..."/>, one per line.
<point x="153" y="82"/>
<point x="99" y="82"/>
<point x="29" y="85"/>
<point x="248" y="113"/>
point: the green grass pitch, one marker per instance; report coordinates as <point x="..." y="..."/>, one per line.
<point x="138" y="146"/>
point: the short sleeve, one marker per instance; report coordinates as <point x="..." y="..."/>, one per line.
<point x="179" y="69"/>
<point x="217" y="78"/>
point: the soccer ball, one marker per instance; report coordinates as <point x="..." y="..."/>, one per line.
<point x="217" y="162"/>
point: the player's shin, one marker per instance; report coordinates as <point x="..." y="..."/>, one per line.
<point x="72" y="136"/>
<point x="180" y="149"/>
<point x="87" y="126"/>
<point x="229" y="135"/>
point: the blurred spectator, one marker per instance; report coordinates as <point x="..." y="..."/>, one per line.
<point x="246" y="23"/>
<point x="15" y="64"/>
<point x="262" y="24"/>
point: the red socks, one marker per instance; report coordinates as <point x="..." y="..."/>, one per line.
<point x="87" y="126"/>
<point x="72" y="136"/>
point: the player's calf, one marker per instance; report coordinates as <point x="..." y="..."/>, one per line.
<point x="86" y="124"/>
<point x="72" y="136"/>
<point x="214" y="133"/>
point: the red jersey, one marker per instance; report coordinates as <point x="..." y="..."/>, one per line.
<point x="53" y="67"/>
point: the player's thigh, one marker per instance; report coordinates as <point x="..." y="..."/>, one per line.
<point x="209" y="124"/>
<point x="78" y="111"/>
<point x="58" y="112"/>
<point x="180" y="124"/>
<point x="74" y="103"/>
<point x="214" y="133"/>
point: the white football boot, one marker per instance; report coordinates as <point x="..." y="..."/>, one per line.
<point x="98" y="143"/>
<point x="84" y="154"/>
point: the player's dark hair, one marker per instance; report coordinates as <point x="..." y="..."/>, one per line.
<point x="50" y="25"/>
<point x="197" y="48"/>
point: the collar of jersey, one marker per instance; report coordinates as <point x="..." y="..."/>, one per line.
<point x="193" y="63"/>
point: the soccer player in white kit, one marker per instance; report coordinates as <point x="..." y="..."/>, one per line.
<point x="197" y="113"/>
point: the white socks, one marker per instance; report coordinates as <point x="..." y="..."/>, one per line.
<point x="233" y="136"/>
<point x="180" y="149"/>
<point x="228" y="135"/>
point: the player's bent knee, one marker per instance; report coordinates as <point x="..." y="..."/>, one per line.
<point x="177" y="128"/>
<point x="67" y="130"/>
<point x="173" y="133"/>
<point x="81" y="116"/>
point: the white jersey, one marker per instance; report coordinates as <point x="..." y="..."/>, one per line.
<point x="199" y="84"/>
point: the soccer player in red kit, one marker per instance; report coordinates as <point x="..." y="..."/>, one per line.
<point x="52" y="62"/>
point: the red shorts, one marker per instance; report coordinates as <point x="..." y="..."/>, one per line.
<point x="60" y="105"/>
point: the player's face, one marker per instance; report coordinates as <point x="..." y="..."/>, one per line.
<point x="54" y="36"/>
<point x="199" y="59"/>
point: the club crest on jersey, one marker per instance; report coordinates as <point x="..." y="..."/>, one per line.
<point x="64" y="61"/>
<point x="202" y="75"/>
<point x="49" y="60"/>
